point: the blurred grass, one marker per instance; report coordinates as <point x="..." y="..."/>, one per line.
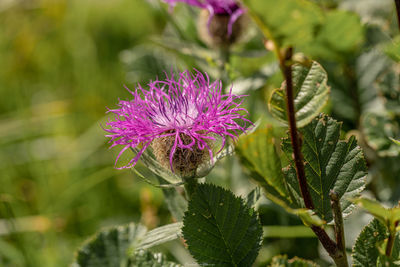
<point x="59" y="70"/>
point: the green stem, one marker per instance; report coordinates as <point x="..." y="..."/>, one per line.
<point x="190" y="186"/>
<point x="224" y="59"/>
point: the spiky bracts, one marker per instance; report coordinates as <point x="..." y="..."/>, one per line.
<point x="180" y="117"/>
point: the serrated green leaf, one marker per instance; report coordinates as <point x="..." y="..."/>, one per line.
<point x="160" y="235"/>
<point x="282" y="261"/>
<point x="310" y="90"/>
<point x="111" y="247"/>
<point x="388" y="217"/>
<point x="370" y="246"/>
<point x="145" y="258"/>
<point x="220" y="229"/>
<point x="365" y="250"/>
<point x="330" y="164"/>
<point x="258" y="153"/>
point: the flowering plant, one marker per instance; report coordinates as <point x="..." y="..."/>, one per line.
<point x="184" y="120"/>
<point x="216" y="7"/>
<point x="180" y="118"/>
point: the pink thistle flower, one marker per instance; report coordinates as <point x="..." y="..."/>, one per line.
<point x="179" y="118"/>
<point x="216" y="7"/>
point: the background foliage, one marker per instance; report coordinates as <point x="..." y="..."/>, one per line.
<point x="65" y="61"/>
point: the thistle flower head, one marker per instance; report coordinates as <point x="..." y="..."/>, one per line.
<point x="180" y="117"/>
<point x="216" y="7"/>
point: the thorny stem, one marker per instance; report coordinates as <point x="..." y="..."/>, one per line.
<point x="339" y="229"/>
<point x="330" y="246"/>
<point x="397" y="2"/>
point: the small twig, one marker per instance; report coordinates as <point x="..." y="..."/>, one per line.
<point x="397" y="2"/>
<point x="339" y="229"/>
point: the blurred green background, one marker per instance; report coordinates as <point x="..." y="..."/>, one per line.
<point x="59" y="71"/>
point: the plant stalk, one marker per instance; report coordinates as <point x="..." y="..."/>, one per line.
<point x="339" y="228"/>
<point x="392" y="237"/>
<point x="224" y="60"/>
<point x="190" y="185"/>
<point x="330" y="246"/>
<point x="397" y="2"/>
<point x="286" y="67"/>
<point x="390" y="244"/>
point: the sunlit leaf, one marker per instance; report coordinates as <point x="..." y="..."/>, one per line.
<point x="397" y="142"/>
<point x="161" y="235"/>
<point x="311" y="93"/>
<point x="388" y="217"/>
<point x="220" y="229"/>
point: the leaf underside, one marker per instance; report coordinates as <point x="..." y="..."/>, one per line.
<point x="110" y="247"/>
<point x="125" y="246"/>
<point x="310" y="90"/>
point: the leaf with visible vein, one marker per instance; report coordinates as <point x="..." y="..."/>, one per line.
<point x="311" y="93"/>
<point x="330" y="164"/>
<point x="369" y="249"/>
<point x="220" y="229"/>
